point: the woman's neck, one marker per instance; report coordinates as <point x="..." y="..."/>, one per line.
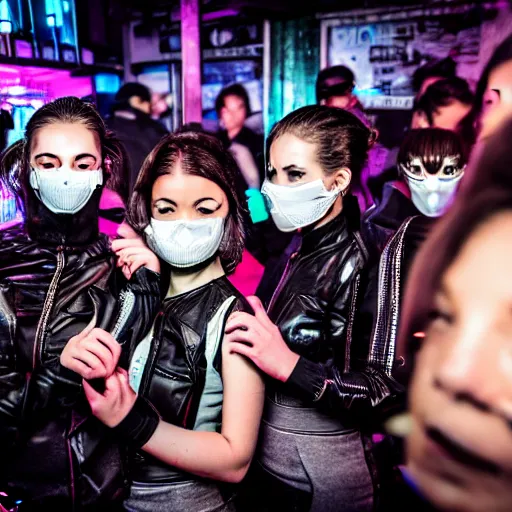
<point x="183" y="282"/>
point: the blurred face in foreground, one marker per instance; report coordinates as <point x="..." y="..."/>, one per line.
<point x="497" y="103"/>
<point x="460" y="447"/>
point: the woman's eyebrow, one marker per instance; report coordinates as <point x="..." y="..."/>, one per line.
<point x="165" y="200"/>
<point x="49" y="155"/>
<point x="293" y="167"/>
<point x="85" y="155"/>
<point x="497" y="91"/>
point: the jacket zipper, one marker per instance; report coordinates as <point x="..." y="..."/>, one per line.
<point x="127" y="298"/>
<point x="40" y="335"/>
<point x="47" y="308"/>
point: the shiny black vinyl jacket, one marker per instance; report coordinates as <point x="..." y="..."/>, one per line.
<point x="57" y="276"/>
<point x="324" y="307"/>
<point x="174" y="375"/>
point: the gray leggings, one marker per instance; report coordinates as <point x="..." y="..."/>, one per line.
<point x="194" y="496"/>
<point x="331" y="468"/>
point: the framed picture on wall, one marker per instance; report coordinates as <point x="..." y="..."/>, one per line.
<point x="384" y="50"/>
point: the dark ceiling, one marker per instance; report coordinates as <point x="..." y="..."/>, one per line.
<point x="266" y="6"/>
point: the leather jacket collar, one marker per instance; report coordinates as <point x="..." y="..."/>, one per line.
<point x="48" y="228"/>
<point x="329" y="233"/>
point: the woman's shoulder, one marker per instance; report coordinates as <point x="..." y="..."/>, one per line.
<point x="236" y="299"/>
<point x="13" y="238"/>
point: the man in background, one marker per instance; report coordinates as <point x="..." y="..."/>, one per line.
<point x="132" y="123"/>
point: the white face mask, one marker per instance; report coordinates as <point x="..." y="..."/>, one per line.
<point x="296" y="207"/>
<point x="432" y="194"/>
<point x="185" y="243"/>
<point x="64" y="190"/>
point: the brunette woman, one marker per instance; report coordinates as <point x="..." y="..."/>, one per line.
<point x="194" y="423"/>
<point x="58" y="286"/>
<point x="313" y="455"/>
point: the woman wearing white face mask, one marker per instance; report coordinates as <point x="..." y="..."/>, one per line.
<point x="58" y="282"/>
<point x="432" y="163"/>
<point x="313" y="452"/>
<point x="199" y="433"/>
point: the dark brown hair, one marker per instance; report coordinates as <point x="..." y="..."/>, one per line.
<point x="15" y="163"/>
<point x="342" y="140"/>
<point x="432" y="145"/>
<point x="487" y="192"/>
<point x="237" y="90"/>
<point x="443" y="93"/>
<point x="202" y="155"/>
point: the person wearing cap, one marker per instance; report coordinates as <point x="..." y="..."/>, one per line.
<point x="132" y="123"/>
<point x="335" y="88"/>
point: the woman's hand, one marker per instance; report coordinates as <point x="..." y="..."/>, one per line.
<point x="117" y="400"/>
<point x="257" y="338"/>
<point x="132" y="252"/>
<point x="93" y="354"/>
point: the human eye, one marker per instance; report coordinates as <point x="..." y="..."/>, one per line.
<point x="85" y="164"/>
<point x="415" y="170"/>
<point x="294" y="175"/>
<point x="449" y="170"/>
<point x="48" y="163"/>
<point x="163" y="208"/>
<point x="207" y="207"/>
<point x="441" y="316"/>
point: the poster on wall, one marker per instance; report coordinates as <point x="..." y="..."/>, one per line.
<point x="384" y="55"/>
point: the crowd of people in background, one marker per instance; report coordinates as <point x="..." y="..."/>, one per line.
<point x="369" y="370"/>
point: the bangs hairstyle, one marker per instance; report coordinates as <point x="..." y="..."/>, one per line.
<point x="15" y="163"/>
<point x="487" y="192"/>
<point x="201" y="155"/>
<point x="341" y="139"/>
<point x="431" y="145"/>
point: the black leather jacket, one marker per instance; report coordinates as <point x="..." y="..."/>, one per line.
<point x="319" y="309"/>
<point x="174" y="376"/>
<point x="58" y="275"/>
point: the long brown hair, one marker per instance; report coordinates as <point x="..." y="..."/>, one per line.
<point x="199" y="155"/>
<point x="15" y="162"/>
<point x="488" y="192"/>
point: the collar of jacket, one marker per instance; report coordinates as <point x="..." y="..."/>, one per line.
<point x="330" y="233"/>
<point x="46" y="227"/>
<point x="393" y="209"/>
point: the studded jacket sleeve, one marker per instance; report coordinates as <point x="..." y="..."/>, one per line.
<point x="352" y="380"/>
